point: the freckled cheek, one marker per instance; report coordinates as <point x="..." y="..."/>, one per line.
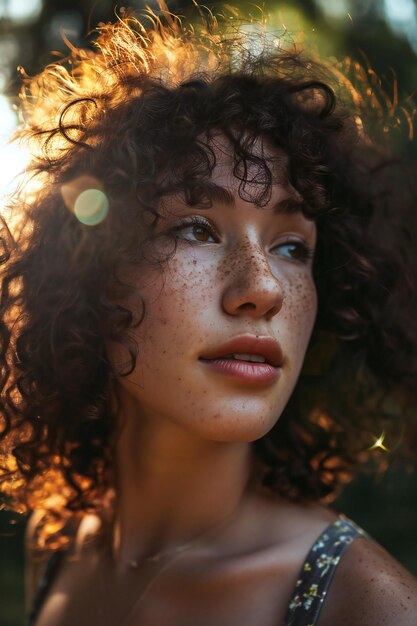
<point x="299" y="310"/>
<point x="307" y="303"/>
<point x="187" y="283"/>
<point x="174" y="301"/>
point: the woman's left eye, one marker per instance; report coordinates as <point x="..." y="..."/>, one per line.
<point x="295" y="250"/>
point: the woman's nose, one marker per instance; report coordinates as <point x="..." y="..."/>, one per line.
<point x="252" y="289"/>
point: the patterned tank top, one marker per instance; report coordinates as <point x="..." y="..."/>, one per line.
<point x="312" y="583"/>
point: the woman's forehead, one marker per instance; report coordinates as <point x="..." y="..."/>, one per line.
<point x="260" y="148"/>
<point x="264" y="174"/>
<point x="282" y="200"/>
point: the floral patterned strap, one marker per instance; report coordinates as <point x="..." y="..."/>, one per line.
<point x="317" y="572"/>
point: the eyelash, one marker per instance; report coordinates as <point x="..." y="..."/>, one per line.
<point x="305" y="251"/>
<point x="195" y="221"/>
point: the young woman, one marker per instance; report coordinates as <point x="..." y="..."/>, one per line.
<point x="203" y="211"/>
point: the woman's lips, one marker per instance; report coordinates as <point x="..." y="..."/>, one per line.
<point x="248" y="371"/>
<point x="264" y="346"/>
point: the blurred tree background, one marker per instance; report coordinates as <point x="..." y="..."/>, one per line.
<point x="381" y="34"/>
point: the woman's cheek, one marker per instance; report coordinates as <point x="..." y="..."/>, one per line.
<point x="300" y="313"/>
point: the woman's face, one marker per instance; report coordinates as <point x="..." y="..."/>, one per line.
<point x="239" y="270"/>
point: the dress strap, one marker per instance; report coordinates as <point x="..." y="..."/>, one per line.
<point x="50" y="571"/>
<point x="317" y="572"/>
<point x="51" y="568"/>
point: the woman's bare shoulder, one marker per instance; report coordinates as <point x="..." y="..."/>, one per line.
<point x="36" y="557"/>
<point x="370" y="588"/>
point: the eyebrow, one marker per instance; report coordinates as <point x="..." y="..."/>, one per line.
<point x="221" y="195"/>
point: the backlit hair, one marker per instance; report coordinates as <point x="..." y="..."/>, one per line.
<point x="132" y="120"/>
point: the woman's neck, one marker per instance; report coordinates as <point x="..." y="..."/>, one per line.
<point x="173" y="488"/>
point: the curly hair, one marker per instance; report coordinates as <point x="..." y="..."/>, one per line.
<point x="133" y="118"/>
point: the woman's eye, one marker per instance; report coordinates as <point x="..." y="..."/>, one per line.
<point x="295" y="250"/>
<point x="195" y="231"/>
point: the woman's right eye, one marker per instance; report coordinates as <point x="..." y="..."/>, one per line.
<point x="200" y="229"/>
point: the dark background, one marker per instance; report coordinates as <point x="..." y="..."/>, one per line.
<point x="381" y="32"/>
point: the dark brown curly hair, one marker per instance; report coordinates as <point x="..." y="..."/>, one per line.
<point x="133" y="118"/>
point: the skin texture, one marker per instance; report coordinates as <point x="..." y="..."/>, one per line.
<point x="380" y="591"/>
<point x="184" y="460"/>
